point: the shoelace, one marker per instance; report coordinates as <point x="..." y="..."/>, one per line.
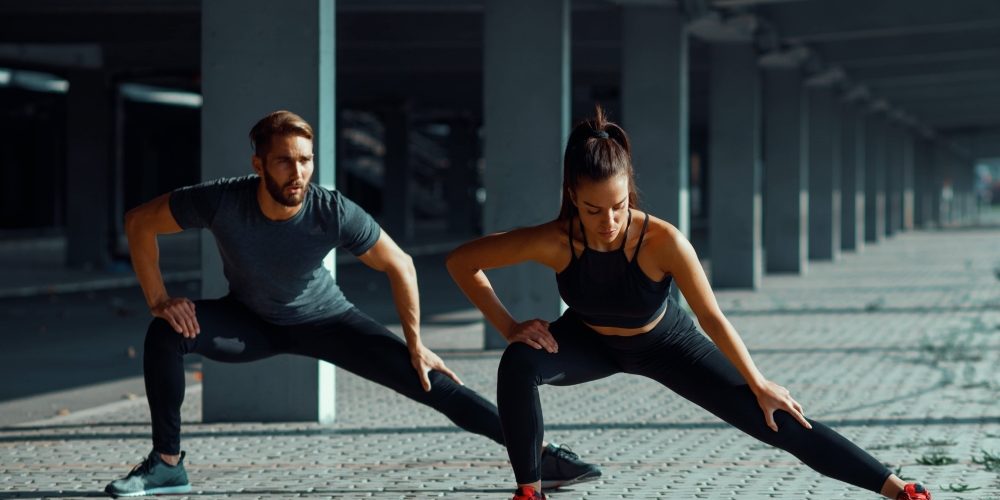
<point x="141" y="468"/>
<point x="565" y="452"/>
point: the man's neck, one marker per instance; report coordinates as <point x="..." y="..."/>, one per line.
<point x="272" y="209"/>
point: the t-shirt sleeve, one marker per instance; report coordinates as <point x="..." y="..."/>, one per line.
<point x="195" y="206"/>
<point x="358" y="230"/>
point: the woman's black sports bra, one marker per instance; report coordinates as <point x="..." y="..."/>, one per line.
<point x="608" y="289"/>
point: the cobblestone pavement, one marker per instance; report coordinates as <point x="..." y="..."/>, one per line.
<point x="896" y="347"/>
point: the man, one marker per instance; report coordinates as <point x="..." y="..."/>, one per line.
<point x="273" y="230"/>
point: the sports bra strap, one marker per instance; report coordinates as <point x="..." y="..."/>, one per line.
<point x="572" y="253"/>
<point x="628" y="224"/>
<point x="645" y="222"/>
<point x="583" y="235"/>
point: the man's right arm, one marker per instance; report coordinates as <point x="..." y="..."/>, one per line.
<point x="142" y="225"/>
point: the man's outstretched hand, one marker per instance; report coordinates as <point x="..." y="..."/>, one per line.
<point x="424" y="360"/>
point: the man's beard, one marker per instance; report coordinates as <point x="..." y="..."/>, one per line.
<point x="278" y="192"/>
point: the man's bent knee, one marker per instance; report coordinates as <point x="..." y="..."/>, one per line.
<point x="160" y="335"/>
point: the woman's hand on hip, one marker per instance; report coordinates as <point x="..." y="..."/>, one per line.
<point x="534" y="332"/>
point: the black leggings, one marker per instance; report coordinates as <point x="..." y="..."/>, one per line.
<point x="353" y="341"/>
<point x="676" y="355"/>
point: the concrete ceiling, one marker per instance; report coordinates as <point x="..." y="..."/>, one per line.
<point x="939" y="62"/>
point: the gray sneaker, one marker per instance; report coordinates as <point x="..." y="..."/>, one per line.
<point x="561" y="467"/>
<point x="151" y="477"/>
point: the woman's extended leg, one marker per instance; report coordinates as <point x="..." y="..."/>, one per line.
<point x="709" y="380"/>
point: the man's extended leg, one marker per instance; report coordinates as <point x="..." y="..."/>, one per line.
<point x="360" y="345"/>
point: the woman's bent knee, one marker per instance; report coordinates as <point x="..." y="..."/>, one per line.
<point x="519" y="359"/>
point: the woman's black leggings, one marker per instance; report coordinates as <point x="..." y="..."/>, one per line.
<point x="676" y="355"/>
<point x="231" y="333"/>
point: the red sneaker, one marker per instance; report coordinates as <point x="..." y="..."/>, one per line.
<point x="529" y="493"/>
<point x="913" y="491"/>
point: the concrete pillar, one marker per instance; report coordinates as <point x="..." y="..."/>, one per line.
<point x="278" y="56"/>
<point x="655" y="107"/>
<point x="397" y="185"/>
<point x="526" y="65"/>
<point x="935" y="184"/>
<point x="949" y="188"/>
<point x="968" y="183"/>
<point x="894" y="179"/>
<point x="908" y="171"/>
<point x="824" y="173"/>
<point x="88" y="170"/>
<point x="875" y="178"/>
<point x="461" y="182"/>
<point x="922" y="182"/>
<point x="786" y="171"/>
<point x="958" y="202"/>
<point x="735" y="166"/>
<point x="852" y="179"/>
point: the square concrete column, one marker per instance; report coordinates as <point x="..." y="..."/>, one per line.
<point x="397" y="194"/>
<point x="786" y="171"/>
<point x="852" y="179"/>
<point x="935" y="158"/>
<point x="824" y="173"/>
<point x="949" y="187"/>
<point x="734" y="166"/>
<point x="875" y="178"/>
<point x="894" y="179"/>
<point x="922" y="183"/>
<point x="462" y="178"/>
<point x="526" y="115"/>
<point x="909" y="145"/>
<point x="967" y="188"/>
<point x="259" y="56"/>
<point x="655" y="107"/>
<point x="88" y="169"/>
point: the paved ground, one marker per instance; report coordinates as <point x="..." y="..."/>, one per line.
<point x="896" y="347"/>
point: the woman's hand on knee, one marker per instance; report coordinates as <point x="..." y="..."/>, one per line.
<point x="180" y="314"/>
<point x="773" y="397"/>
<point x="535" y="333"/>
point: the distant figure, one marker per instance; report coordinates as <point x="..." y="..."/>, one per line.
<point x="615" y="266"/>
<point x="273" y="230"/>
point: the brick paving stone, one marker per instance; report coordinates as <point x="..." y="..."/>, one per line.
<point x="895" y="347"/>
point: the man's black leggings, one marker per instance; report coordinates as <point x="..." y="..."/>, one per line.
<point x="676" y="355"/>
<point x="231" y="333"/>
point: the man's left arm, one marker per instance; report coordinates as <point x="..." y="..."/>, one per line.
<point x="387" y="257"/>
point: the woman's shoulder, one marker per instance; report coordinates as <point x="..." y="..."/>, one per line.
<point x="659" y="233"/>
<point x="545" y="235"/>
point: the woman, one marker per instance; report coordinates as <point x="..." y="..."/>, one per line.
<point x="615" y="266"/>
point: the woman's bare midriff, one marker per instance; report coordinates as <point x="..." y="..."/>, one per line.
<point x="627" y="332"/>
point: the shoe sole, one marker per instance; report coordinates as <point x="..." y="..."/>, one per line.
<point x="553" y="484"/>
<point x="164" y="490"/>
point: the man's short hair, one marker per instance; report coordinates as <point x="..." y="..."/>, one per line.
<point x="277" y="123"/>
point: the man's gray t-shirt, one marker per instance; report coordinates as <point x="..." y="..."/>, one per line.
<point x="275" y="268"/>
